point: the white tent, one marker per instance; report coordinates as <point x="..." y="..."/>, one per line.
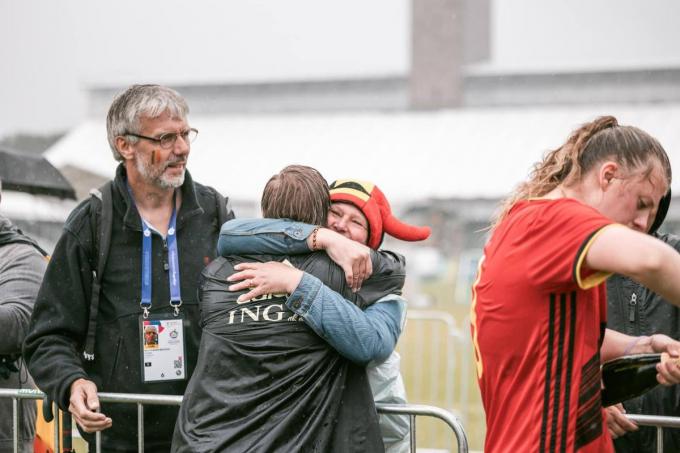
<point x="410" y="155"/>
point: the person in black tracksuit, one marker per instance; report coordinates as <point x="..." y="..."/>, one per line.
<point x="635" y="310"/>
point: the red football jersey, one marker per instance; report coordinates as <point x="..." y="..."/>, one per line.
<point x="538" y="317"/>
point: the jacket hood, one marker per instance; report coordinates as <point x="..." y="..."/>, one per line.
<point x="10" y="234"/>
<point x="664" y="204"/>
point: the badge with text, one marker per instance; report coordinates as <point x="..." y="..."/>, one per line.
<point x="163" y="349"/>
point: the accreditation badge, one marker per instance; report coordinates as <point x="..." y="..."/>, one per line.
<point x="163" y="349"/>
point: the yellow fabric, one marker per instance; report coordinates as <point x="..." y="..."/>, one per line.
<point x="597" y="277"/>
<point x="356" y="193"/>
<point x="366" y="185"/>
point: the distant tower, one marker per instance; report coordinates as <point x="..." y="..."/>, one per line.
<point x="445" y="35"/>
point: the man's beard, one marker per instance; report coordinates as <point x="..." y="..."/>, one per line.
<point x="156" y="175"/>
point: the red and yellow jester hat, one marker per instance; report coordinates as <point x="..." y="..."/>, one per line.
<point x="372" y="203"/>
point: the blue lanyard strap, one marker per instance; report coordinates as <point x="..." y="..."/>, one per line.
<point x="146" y="269"/>
<point x="173" y="257"/>
<point x="175" y="292"/>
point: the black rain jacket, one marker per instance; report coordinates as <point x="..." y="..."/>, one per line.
<point x="266" y="382"/>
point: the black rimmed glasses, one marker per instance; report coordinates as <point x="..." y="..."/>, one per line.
<point x="168" y="140"/>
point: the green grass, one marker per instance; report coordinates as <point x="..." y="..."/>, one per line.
<point x="426" y="348"/>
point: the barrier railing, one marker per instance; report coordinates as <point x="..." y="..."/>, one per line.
<point x="437" y="369"/>
<point x="412" y="410"/>
<point x="660" y="422"/>
<point x="453" y="335"/>
<point x="140" y="400"/>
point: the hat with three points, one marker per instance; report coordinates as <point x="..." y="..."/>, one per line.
<point x="372" y="203"/>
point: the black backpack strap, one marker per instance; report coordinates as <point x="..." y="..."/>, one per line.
<point x="103" y="198"/>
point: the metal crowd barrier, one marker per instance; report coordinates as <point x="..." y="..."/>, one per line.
<point x="659" y="421"/>
<point x="412" y="410"/>
<point x="453" y="336"/>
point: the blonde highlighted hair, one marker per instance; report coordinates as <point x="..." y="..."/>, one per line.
<point x="591" y="144"/>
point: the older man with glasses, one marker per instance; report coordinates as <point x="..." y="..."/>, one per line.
<point x="163" y="230"/>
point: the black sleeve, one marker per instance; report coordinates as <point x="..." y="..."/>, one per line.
<point x="387" y="278"/>
<point x="386" y="262"/>
<point x="389" y="274"/>
<point x="59" y="320"/>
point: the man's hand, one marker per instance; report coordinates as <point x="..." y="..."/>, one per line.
<point x="84" y="405"/>
<point x="669" y="368"/>
<point x="264" y="278"/>
<point x="353" y="257"/>
<point x="617" y="423"/>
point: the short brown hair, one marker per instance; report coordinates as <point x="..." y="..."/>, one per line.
<point x="299" y="193"/>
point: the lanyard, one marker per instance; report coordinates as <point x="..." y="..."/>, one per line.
<point x="175" y="293"/>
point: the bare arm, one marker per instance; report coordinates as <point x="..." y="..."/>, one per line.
<point x="641" y="257"/>
<point x="616" y="344"/>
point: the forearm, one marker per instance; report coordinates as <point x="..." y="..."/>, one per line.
<point x="662" y="276"/>
<point x="54" y="364"/>
<point x="264" y="236"/>
<point x="616" y="344"/>
<point x="647" y="260"/>
<point x="361" y="336"/>
<point x="19" y="284"/>
<point x="14" y="324"/>
<point x="52" y="349"/>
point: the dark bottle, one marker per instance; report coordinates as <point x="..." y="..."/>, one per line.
<point x="628" y="376"/>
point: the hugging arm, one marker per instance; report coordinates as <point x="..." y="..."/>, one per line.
<point x="359" y="335"/>
<point x="286" y="237"/>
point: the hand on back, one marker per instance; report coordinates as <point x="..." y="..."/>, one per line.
<point x="353" y="257"/>
<point x="264" y="278"/>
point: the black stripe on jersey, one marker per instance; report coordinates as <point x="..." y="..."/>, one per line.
<point x="558" y="374"/>
<point x="570" y="366"/>
<point x="574" y="270"/>
<point x="561" y="356"/>
<point x="548" y="374"/>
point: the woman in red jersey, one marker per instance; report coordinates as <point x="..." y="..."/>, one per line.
<point x="539" y="305"/>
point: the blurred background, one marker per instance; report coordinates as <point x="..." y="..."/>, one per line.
<point x="445" y="104"/>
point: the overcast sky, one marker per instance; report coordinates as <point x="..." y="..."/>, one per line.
<point x="51" y="51"/>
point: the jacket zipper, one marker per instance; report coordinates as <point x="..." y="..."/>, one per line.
<point x="631" y="307"/>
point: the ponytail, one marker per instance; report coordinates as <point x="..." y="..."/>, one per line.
<point x="587" y="146"/>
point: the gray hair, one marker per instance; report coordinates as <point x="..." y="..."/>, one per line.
<point x="129" y="106"/>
